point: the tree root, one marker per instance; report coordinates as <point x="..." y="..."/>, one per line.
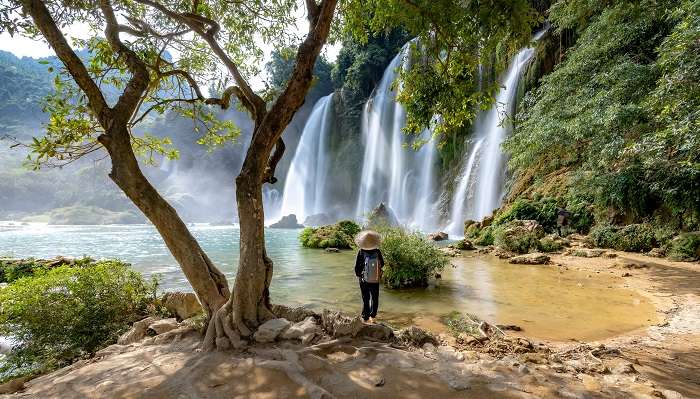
<point x="224" y="330"/>
<point x="295" y="372"/>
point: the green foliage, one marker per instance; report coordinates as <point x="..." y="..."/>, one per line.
<point x="548" y="244"/>
<point x="68" y="312"/>
<point x="485" y="236"/>
<point x="631" y="238"/>
<point x="455" y="38"/>
<point x="339" y="235"/>
<point x="459" y="324"/>
<point x="280" y="68"/>
<point x="685" y="247"/>
<point x="513" y="237"/>
<point x="620" y="113"/>
<point x="543" y="210"/>
<point x="410" y="259"/>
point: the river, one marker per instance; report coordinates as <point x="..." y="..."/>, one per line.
<point x="546" y="301"/>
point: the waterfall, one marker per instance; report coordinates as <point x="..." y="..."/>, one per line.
<point x="480" y="187"/>
<point x="401" y="177"/>
<point x="304" y="189"/>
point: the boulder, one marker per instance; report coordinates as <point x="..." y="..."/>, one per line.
<point x="439" y="236"/>
<point x="486" y="222"/>
<point x="465" y="245"/>
<point x="294" y="315"/>
<point x="450" y="251"/>
<point x="332" y="250"/>
<point x="319" y="219"/>
<point x="182" y="304"/>
<point x="657" y="253"/>
<point x="302" y="328"/>
<point x="585" y="253"/>
<point x="339" y="325"/>
<point x="382" y="215"/>
<point x="415" y="336"/>
<point x="14" y="385"/>
<point x="287" y="222"/>
<point x="163" y="326"/>
<point x="530" y="259"/>
<point x="377" y="331"/>
<point x="137" y="332"/>
<point x="271" y="329"/>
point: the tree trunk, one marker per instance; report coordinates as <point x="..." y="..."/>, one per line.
<point x="207" y="281"/>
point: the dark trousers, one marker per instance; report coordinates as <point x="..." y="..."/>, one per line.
<point x="370" y="299"/>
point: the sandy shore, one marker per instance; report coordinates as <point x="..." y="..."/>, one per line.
<point x="661" y="361"/>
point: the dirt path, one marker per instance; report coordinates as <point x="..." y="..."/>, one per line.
<point x="657" y="362"/>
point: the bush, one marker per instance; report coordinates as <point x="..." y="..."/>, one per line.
<point x="515" y="237"/>
<point x="339" y="235"/>
<point x="632" y="238"/>
<point x="410" y="260"/>
<point x="543" y="210"/>
<point x="69" y="312"/>
<point x="548" y="244"/>
<point x="685" y="247"/>
<point x="484" y="236"/>
<point x="14" y="269"/>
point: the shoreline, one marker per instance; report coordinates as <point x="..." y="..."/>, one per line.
<point x="656" y="361"/>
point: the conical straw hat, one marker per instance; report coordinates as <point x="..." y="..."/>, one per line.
<point x="368" y="240"/>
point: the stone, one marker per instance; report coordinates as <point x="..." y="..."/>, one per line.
<point x="439" y="236"/>
<point x="182" y="304"/>
<point x="319" y="219"/>
<point x="501" y="253"/>
<point x="530" y="259"/>
<point x="163" y="326"/>
<point x="294" y="315"/>
<point x="14" y="385"/>
<point x="137" y="332"/>
<point x="624" y="368"/>
<point x="450" y="251"/>
<point x="377" y="331"/>
<point x="585" y="253"/>
<point x="486" y="222"/>
<point x="271" y="329"/>
<point x="657" y="253"/>
<point x="287" y="222"/>
<point x="465" y="245"/>
<point x="332" y="250"/>
<point x="630" y="265"/>
<point x="302" y="328"/>
<point x="382" y="215"/>
<point x="415" y="336"/>
<point x="339" y="325"/>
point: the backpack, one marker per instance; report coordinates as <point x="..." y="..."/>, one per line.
<point x="370" y="274"/>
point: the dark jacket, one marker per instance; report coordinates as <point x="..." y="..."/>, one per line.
<point x="360" y="261"/>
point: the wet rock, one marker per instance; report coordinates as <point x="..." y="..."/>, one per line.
<point x="182" y="304"/>
<point x="585" y="253"/>
<point x="332" y="250"/>
<point x="530" y="259"/>
<point x="163" y="326"/>
<point x="271" y="329"/>
<point x="657" y="253"/>
<point x="509" y="327"/>
<point x="287" y="222"/>
<point x="319" y="219"/>
<point x="377" y="331"/>
<point x="464" y="245"/>
<point x="415" y="336"/>
<point x="302" y="328"/>
<point x="501" y="253"/>
<point x="294" y="314"/>
<point x="439" y="236"/>
<point x="339" y="325"/>
<point x="137" y="332"/>
<point x="382" y="215"/>
<point x="450" y="251"/>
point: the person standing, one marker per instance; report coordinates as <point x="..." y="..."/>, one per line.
<point x="368" y="269"/>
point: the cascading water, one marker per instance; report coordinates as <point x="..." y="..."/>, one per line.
<point x="304" y="188"/>
<point x="401" y="177"/>
<point x="480" y="187"/>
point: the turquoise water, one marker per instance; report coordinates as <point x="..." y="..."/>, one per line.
<point x="545" y="301"/>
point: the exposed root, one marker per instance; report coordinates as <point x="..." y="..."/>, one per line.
<point x="222" y="333"/>
<point x="295" y="371"/>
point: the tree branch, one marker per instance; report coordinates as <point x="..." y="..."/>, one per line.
<point x="47" y="25"/>
<point x="273" y="161"/>
<point x="137" y="85"/>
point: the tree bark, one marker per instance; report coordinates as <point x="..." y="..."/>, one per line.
<point x="208" y="282"/>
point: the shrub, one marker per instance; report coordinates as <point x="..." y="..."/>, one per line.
<point x="339" y="235"/>
<point x="410" y="260"/>
<point x="685" y="247"/>
<point x="631" y="238"/>
<point x="548" y="244"/>
<point x="543" y="210"/>
<point x="484" y="236"/>
<point x="515" y="237"/>
<point x="69" y="312"/>
<point x="581" y="218"/>
<point x="14" y="269"/>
